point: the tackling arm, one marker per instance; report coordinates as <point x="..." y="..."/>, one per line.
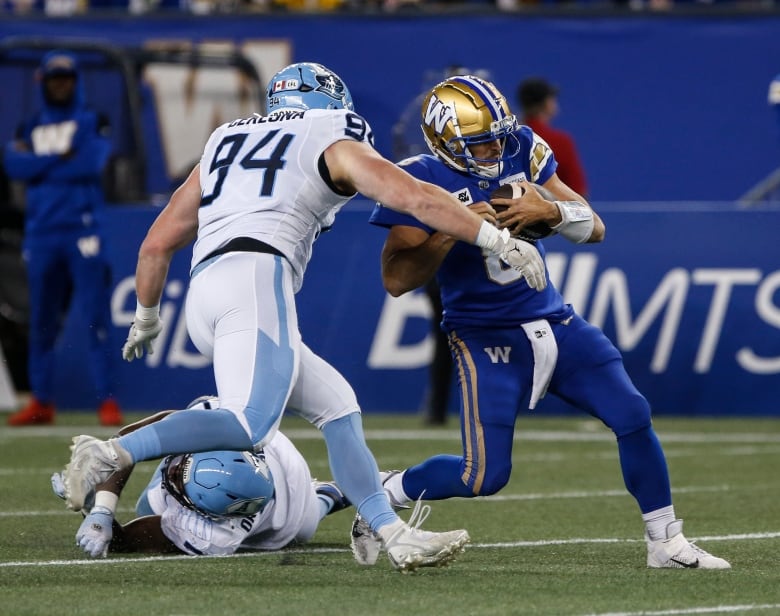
<point x="174" y="228"/>
<point x="411" y="257"/>
<point x="357" y="167"/>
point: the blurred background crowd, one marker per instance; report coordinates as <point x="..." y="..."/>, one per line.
<point x="73" y="7"/>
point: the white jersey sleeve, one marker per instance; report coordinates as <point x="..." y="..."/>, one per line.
<point x="262" y="178"/>
<point x="293" y="515"/>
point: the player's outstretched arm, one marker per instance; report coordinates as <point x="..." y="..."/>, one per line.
<point x="174" y="228"/>
<point x="357" y="167"/>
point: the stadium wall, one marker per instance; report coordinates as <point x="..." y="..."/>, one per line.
<point x="664" y="107"/>
<point x="696" y="315"/>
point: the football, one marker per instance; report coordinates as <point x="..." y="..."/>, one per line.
<point x="536" y="231"/>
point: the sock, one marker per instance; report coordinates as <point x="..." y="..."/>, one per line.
<point x="355" y="471"/>
<point x="188" y="431"/>
<point x="657" y="521"/>
<point x="395" y="488"/>
<point x="325" y="503"/>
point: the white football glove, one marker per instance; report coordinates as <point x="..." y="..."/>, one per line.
<point x="139" y="339"/>
<point x="525" y="258"/>
<point x="96" y="531"/>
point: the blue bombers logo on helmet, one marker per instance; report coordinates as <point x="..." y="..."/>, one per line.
<point x="307" y="85"/>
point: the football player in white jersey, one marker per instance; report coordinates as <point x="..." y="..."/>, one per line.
<point x="211" y="503"/>
<point x="265" y="187"/>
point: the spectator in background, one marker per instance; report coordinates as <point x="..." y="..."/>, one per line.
<point x="539" y="102"/>
<point x="60" y="153"/>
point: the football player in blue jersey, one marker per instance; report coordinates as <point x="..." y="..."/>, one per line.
<point x="60" y="154"/>
<point x="510" y="343"/>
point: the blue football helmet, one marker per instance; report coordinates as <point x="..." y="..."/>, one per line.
<point x="463" y="111"/>
<point x="307" y="85"/>
<point x="220" y="483"/>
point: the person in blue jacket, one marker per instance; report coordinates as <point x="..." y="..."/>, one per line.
<point x="60" y="153"/>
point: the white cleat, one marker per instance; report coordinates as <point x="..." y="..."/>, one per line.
<point x="92" y="462"/>
<point x="409" y="548"/>
<point x="677" y="552"/>
<point x="366" y="546"/>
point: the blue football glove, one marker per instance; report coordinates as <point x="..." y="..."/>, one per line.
<point x="95" y="532"/>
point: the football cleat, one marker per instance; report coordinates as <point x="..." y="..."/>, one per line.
<point x="365" y="545"/>
<point x="408" y="547"/>
<point x="331" y="491"/>
<point x="676" y="552"/>
<point x="58" y="487"/>
<point x="92" y="462"/>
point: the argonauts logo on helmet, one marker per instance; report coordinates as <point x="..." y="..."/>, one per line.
<point x="330" y="85"/>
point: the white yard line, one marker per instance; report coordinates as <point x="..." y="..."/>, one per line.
<point x="437" y="434"/>
<point x="718" y="609"/>
<point x="504" y="545"/>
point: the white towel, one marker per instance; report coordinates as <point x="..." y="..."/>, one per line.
<point x="545" y="349"/>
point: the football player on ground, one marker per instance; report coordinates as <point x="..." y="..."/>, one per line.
<point x="211" y="503"/>
<point x="265" y="188"/>
<point x="510" y="343"/>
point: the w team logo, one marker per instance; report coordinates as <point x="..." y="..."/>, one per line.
<point x="437" y="114"/>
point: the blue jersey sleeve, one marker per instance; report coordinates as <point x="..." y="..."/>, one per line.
<point x="383" y="216"/>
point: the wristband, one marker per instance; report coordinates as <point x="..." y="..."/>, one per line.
<point x="142" y="313"/>
<point x="576" y="221"/>
<point x="106" y="499"/>
<point x="491" y="239"/>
